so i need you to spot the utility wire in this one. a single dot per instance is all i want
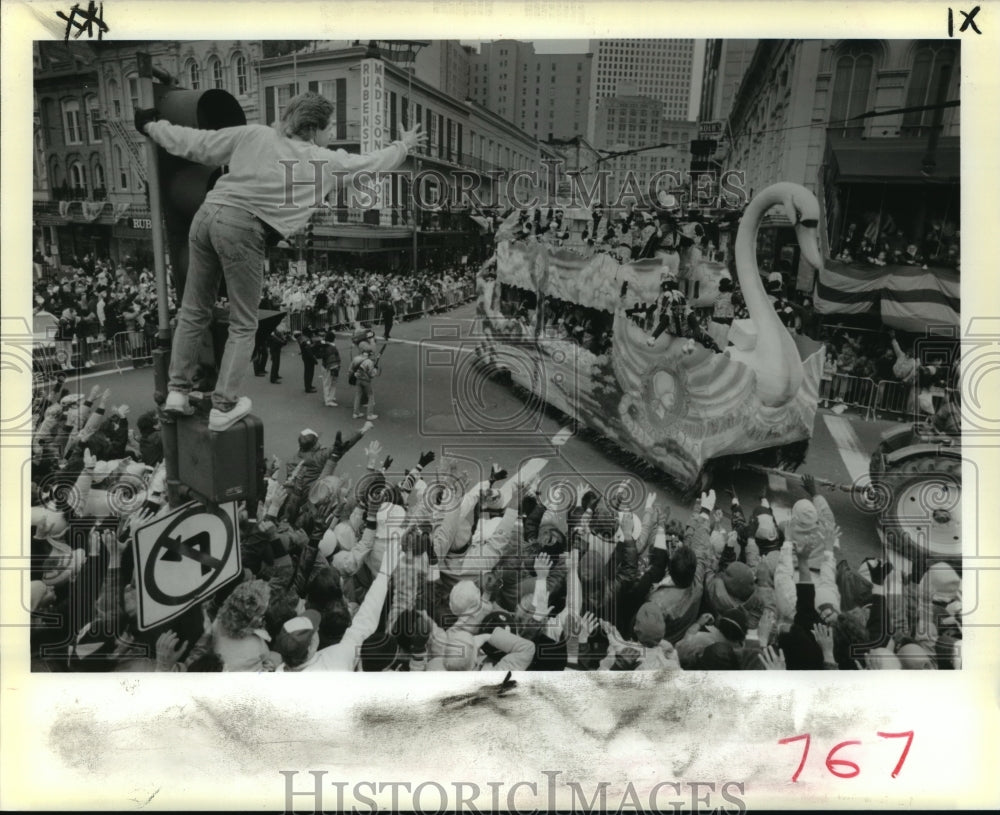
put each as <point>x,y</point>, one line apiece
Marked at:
<point>835,123</point>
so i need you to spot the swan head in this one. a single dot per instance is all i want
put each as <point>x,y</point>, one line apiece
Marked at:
<point>802,209</point>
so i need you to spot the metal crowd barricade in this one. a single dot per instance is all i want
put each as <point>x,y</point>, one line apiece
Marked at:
<point>894,398</point>
<point>853,391</point>
<point>132,348</point>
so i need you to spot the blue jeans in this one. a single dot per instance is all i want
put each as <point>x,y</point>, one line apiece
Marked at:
<point>223,241</point>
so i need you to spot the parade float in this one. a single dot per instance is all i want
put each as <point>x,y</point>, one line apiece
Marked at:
<point>672,402</point>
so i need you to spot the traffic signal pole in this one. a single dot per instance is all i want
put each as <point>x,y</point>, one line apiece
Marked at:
<point>161,354</point>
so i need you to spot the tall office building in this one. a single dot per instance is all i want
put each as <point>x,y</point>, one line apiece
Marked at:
<point>662,69</point>
<point>634,121</point>
<point>726,61</point>
<point>546,95</point>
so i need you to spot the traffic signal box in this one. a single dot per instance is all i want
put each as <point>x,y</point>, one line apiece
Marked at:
<point>215,467</point>
<point>221,467</point>
<point>184,184</point>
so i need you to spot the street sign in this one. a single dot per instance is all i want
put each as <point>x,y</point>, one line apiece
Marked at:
<point>709,130</point>
<point>183,557</point>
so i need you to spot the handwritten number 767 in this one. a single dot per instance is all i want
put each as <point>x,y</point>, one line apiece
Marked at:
<point>840,767</point>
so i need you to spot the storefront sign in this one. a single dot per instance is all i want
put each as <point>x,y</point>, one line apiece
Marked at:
<point>142,223</point>
<point>710,130</point>
<point>372,105</point>
<point>373,127</point>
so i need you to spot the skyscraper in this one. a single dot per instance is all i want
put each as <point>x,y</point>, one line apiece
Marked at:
<point>546,95</point>
<point>725,63</point>
<point>660,69</point>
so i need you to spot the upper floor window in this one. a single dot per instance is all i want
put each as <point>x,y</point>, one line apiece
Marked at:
<point>71,122</point>
<point>94,119</point>
<point>115,96</point>
<point>240,69</point>
<point>194,76</point>
<point>933,67</point>
<point>77,176</point>
<point>215,68</point>
<point>851,86</point>
<point>133,94</point>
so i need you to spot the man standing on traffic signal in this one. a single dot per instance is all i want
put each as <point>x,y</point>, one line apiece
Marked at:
<point>253,204</point>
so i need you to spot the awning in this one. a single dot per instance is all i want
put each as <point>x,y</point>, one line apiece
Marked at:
<point>909,298</point>
<point>897,161</point>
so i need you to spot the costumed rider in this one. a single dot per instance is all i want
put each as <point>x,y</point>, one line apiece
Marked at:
<point>673,304</point>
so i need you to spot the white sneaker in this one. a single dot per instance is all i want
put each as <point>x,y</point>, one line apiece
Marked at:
<point>88,364</point>
<point>177,402</point>
<point>222,419</point>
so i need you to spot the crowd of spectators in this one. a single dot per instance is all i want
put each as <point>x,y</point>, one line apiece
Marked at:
<point>342,299</point>
<point>98,305</point>
<point>426,566</point>
<point>882,242</point>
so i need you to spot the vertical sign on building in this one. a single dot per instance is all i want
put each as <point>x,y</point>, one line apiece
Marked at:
<point>373,119</point>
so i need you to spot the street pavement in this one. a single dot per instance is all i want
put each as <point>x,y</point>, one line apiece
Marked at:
<point>430,397</point>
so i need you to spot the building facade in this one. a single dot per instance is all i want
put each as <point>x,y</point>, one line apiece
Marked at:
<point>545,95</point>
<point>662,69</point>
<point>94,160</point>
<point>70,190</point>
<point>445,64</point>
<point>473,156</point>
<point>808,111</point>
<point>635,121</point>
<point>726,61</point>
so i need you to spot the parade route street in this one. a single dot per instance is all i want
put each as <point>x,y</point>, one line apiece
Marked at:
<point>428,398</point>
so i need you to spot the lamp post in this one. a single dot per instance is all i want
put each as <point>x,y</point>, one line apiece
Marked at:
<point>414,46</point>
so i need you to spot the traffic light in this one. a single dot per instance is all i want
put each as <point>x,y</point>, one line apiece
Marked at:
<point>184,184</point>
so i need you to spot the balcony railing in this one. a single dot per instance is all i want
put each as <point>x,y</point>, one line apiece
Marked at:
<point>79,194</point>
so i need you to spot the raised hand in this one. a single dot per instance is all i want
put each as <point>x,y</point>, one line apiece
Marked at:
<point>387,463</point>
<point>413,138</point>
<point>139,517</point>
<point>168,650</point>
<point>373,452</point>
<point>773,659</point>
<point>543,565</point>
<point>824,636</point>
<point>277,499</point>
<point>768,618</point>
<point>426,458</point>
<point>89,459</point>
<point>809,485</point>
<point>616,642</point>
<point>588,624</point>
